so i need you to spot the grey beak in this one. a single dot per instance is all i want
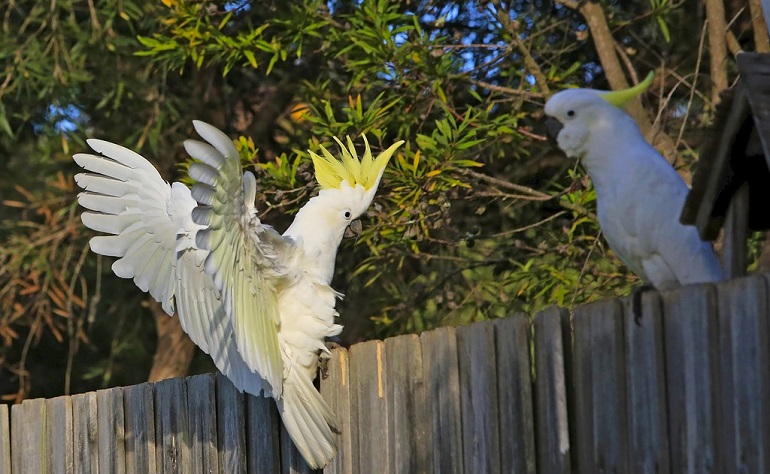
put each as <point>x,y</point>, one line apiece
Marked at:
<point>354,229</point>
<point>552,129</point>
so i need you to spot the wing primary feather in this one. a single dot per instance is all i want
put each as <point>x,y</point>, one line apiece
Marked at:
<point>204,152</point>
<point>104,185</point>
<point>249,189</point>
<point>103,203</point>
<point>203,193</point>
<point>202,215</point>
<point>106,222</point>
<point>123,155</point>
<point>104,165</point>
<point>203,173</point>
<point>217,138</point>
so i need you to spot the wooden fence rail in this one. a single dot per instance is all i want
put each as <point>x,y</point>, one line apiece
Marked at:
<point>686,390</point>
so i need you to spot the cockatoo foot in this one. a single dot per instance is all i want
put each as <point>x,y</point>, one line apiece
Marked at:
<point>323,359</point>
<point>636,301</point>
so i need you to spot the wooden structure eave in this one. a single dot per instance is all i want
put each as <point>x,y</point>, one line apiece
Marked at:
<point>738,153</point>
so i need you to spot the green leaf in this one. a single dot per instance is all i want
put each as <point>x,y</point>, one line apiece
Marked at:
<point>251,58</point>
<point>664,29</point>
<point>5,126</point>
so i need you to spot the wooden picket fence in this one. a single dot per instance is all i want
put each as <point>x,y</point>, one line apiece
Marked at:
<point>686,390</point>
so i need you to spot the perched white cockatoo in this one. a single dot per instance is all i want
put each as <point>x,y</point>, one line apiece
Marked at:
<point>259,303</point>
<point>639,194</point>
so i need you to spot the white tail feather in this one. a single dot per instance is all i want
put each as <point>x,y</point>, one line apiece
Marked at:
<point>308,419</point>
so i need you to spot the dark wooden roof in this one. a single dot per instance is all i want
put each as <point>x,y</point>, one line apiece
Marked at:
<point>738,152</point>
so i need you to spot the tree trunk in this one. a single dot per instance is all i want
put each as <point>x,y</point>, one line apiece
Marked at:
<point>175,349</point>
<point>613,70</point>
<point>717,28</point>
<point>761,39</point>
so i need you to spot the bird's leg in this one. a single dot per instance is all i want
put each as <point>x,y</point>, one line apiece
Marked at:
<point>636,301</point>
<point>323,358</point>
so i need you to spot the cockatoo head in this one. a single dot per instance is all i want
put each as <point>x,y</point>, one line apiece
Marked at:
<point>580,119</point>
<point>348,184</point>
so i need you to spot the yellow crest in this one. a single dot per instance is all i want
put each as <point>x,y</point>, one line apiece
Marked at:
<point>330,171</point>
<point>622,97</point>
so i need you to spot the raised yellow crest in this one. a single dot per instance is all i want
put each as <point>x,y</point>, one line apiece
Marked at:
<point>622,97</point>
<point>330,171</point>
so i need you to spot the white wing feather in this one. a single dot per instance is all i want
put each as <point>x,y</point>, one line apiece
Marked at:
<point>154,238</point>
<point>246,260</point>
<point>130,200</point>
<point>243,253</point>
<point>212,260</point>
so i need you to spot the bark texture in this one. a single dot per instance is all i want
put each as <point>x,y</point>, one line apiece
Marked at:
<point>175,349</point>
<point>761,39</point>
<point>613,71</point>
<point>717,29</point>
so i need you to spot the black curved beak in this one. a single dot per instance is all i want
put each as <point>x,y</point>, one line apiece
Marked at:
<point>552,129</point>
<point>354,229</point>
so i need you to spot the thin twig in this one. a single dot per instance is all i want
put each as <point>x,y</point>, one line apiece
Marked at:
<point>528,191</point>
<point>507,90</point>
<point>583,269</point>
<point>530,226</point>
<point>694,82</point>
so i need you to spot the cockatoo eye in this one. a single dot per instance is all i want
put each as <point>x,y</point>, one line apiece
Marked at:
<point>570,113</point>
<point>346,214</point>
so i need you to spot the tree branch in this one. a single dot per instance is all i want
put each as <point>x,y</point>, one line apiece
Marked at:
<point>761,39</point>
<point>527,192</point>
<point>529,61</point>
<point>604,43</point>
<point>717,26</point>
<point>175,350</point>
<point>506,90</point>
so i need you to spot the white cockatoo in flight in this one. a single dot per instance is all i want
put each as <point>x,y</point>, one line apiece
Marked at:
<point>258,302</point>
<point>639,195</point>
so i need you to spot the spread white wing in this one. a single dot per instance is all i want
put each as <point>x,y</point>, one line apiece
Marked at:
<point>211,260</point>
<point>244,256</point>
<point>246,260</point>
<point>152,232</point>
<point>131,202</point>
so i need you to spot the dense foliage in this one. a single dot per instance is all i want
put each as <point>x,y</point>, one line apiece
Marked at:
<point>477,216</point>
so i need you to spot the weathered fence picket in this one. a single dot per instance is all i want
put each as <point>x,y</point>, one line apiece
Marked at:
<point>600,390</point>
<point>172,428</point>
<point>139,415</point>
<point>552,385</point>
<point>201,402</point>
<point>478,397</point>
<point>406,401</point>
<point>335,389</point>
<point>689,329</point>
<point>646,388</point>
<point>110,430</point>
<point>5,441</point>
<point>84,432</point>
<point>61,454</point>
<point>29,443</point>
<point>514,393</point>
<point>683,388</point>
<point>745,390</point>
<point>440,372</point>
<point>231,424</point>
<point>367,399</point>
<point>262,435</point>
